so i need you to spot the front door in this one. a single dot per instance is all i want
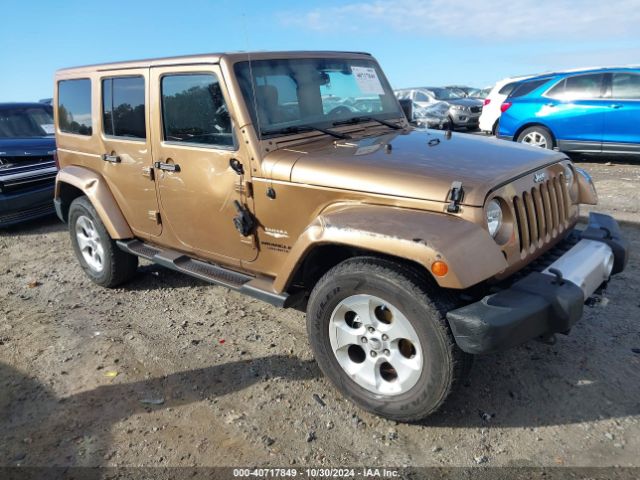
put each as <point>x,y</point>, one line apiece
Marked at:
<point>126,148</point>
<point>194,148</point>
<point>622,125</point>
<point>574,109</point>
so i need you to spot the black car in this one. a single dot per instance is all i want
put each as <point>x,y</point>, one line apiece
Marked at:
<point>27,164</point>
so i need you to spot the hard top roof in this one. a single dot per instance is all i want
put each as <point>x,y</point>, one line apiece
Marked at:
<point>209,58</point>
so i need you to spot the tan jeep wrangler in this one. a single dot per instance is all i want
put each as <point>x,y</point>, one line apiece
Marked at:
<point>295,177</point>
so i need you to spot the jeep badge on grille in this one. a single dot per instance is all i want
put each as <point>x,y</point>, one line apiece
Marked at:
<point>539,177</point>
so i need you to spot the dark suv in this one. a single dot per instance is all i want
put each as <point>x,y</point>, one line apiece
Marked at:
<point>27,165</point>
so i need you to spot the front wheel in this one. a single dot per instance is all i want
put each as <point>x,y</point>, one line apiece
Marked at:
<point>378,332</point>
<point>98,254</point>
<point>536,137</point>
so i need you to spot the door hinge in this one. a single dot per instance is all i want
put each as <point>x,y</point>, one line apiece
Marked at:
<point>148,172</point>
<point>154,215</point>
<point>244,188</point>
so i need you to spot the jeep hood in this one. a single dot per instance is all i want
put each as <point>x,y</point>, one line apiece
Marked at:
<point>419,164</point>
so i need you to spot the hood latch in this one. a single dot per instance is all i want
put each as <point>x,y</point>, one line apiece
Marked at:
<point>455,197</point>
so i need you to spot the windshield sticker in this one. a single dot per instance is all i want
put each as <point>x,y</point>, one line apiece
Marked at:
<point>367,80</point>
<point>48,128</point>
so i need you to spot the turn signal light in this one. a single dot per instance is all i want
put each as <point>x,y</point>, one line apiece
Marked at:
<point>505,106</point>
<point>439,268</point>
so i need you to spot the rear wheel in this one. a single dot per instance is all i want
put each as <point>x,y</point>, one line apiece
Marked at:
<point>379,333</point>
<point>98,254</point>
<point>536,137</point>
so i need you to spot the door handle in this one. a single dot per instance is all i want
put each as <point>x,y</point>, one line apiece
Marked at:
<point>108,157</point>
<point>616,105</point>
<point>550,105</point>
<point>167,167</point>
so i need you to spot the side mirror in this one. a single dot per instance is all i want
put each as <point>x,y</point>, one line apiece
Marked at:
<point>407,107</point>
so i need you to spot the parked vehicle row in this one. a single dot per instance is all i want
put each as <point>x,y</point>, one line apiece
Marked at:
<point>464,112</point>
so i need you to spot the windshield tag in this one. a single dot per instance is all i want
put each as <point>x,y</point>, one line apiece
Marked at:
<point>367,80</point>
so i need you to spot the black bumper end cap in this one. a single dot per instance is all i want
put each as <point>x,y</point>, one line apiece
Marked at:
<point>534,306</point>
<point>604,228</point>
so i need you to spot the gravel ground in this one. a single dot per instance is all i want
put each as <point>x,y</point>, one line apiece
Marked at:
<point>169,371</point>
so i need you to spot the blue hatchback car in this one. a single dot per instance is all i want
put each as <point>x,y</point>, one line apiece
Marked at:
<point>589,111</point>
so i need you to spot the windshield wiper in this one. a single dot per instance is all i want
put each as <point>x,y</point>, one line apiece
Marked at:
<point>305,128</point>
<point>354,120</point>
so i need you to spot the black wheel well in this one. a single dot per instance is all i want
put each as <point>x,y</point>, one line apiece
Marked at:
<point>67,193</point>
<point>534,124</point>
<point>323,258</point>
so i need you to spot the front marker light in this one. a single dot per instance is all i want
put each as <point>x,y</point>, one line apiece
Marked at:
<point>494,217</point>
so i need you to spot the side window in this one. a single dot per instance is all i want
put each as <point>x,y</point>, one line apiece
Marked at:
<point>194,110</point>
<point>557,91</point>
<point>583,87</point>
<point>74,106</point>
<point>507,89</point>
<point>421,97</point>
<point>524,88</point>
<point>626,86</point>
<point>123,107</point>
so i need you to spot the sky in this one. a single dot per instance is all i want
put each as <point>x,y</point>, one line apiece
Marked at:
<point>417,42</point>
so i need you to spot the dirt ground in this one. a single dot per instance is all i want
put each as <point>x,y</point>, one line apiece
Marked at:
<point>169,371</point>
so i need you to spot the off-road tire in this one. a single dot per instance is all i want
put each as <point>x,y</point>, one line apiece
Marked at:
<point>118,266</point>
<point>422,302</point>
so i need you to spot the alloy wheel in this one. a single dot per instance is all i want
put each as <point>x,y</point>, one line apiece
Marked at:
<point>376,345</point>
<point>89,243</point>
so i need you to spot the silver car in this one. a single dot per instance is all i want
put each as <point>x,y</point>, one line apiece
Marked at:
<point>463,112</point>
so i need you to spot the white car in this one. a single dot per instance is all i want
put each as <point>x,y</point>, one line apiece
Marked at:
<point>491,109</point>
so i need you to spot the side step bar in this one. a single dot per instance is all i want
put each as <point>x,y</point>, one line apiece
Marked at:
<point>240,282</point>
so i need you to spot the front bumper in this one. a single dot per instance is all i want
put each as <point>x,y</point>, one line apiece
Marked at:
<point>547,302</point>
<point>465,119</point>
<point>17,207</point>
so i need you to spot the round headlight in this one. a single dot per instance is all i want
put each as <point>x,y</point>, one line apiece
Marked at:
<point>568,176</point>
<point>494,217</point>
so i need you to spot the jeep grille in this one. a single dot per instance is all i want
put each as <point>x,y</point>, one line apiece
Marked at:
<point>542,213</point>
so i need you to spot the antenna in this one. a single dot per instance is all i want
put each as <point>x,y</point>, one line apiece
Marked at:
<point>251,77</point>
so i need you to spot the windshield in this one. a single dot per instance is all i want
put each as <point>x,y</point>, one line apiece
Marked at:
<point>26,122</point>
<point>292,93</point>
<point>444,94</point>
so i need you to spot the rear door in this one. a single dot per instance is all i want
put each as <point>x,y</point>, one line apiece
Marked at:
<point>194,143</point>
<point>622,118</point>
<point>126,148</point>
<point>574,109</point>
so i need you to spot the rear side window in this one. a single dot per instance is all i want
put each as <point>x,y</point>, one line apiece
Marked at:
<point>524,88</point>
<point>194,110</point>
<point>123,107</point>
<point>74,106</point>
<point>626,85</point>
<point>507,89</point>
<point>578,87</point>
<point>557,91</point>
